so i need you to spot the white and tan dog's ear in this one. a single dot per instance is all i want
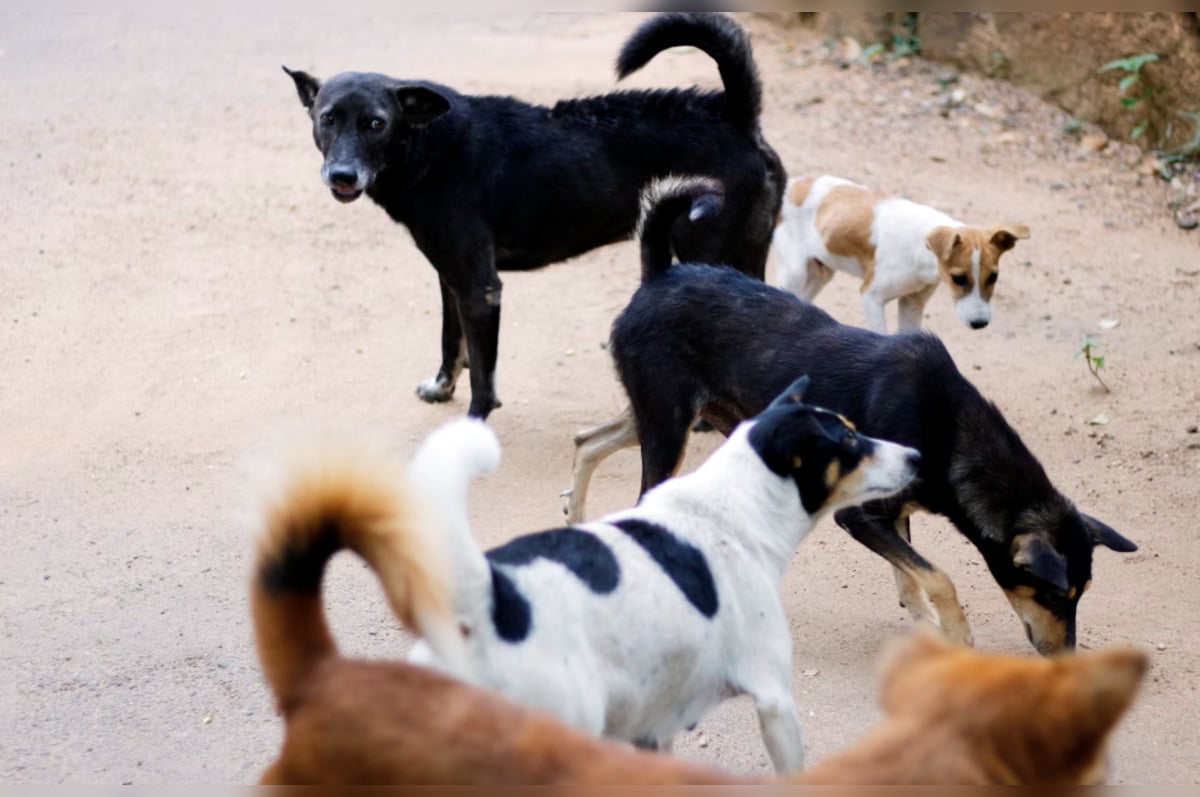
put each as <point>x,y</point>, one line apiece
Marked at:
<point>942,241</point>
<point>1005,236</point>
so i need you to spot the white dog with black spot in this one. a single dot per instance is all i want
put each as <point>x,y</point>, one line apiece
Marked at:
<point>635,625</point>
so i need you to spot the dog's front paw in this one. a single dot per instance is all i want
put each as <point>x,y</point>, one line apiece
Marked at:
<point>957,630</point>
<point>435,390</point>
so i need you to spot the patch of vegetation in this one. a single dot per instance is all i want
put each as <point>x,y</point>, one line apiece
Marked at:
<point>906,41</point>
<point>1142,92</point>
<point>1095,362</point>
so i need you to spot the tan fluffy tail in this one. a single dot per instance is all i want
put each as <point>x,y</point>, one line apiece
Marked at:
<point>333,499</point>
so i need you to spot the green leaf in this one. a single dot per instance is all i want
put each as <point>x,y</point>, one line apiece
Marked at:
<point>1140,130</point>
<point>1130,102</point>
<point>1099,361</point>
<point>1131,64</point>
<point>1127,81</point>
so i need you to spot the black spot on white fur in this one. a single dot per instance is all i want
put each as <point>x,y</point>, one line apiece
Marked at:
<point>581,552</point>
<point>511,614</point>
<point>682,562</point>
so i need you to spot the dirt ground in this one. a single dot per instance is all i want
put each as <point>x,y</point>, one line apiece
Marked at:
<point>178,293</point>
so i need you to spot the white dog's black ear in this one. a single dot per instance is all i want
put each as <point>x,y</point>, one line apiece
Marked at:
<point>1031,552</point>
<point>1105,535</point>
<point>419,105</point>
<point>793,395</point>
<point>307,86</point>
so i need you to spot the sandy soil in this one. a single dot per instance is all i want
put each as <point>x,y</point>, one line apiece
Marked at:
<point>178,292</point>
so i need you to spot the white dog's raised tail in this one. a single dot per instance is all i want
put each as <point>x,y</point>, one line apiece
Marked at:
<point>441,471</point>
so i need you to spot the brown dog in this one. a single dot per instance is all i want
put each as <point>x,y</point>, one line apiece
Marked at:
<point>954,716</point>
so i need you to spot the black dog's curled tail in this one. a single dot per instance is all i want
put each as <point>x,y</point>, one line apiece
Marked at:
<point>664,201</point>
<point>715,34</point>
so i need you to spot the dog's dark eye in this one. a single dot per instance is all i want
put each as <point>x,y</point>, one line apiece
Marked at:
<point>959,279</point>
<point>991,280</point>
<point>850,442</point>
<point>327,119</point>
<point>377,124</point>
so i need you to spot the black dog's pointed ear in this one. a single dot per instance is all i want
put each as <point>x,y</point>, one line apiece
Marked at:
<point>307,86</point>
<point>1105,535</point>
<point>1031,552</point>
<point>419,105</point>
<point>793,395</point>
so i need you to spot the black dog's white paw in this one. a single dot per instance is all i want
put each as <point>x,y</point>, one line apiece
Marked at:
<point>435,390</point>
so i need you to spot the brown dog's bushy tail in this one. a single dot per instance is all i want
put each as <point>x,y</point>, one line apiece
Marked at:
<point>720,38</point>
<point>663,202</point>
<point>331,498</point>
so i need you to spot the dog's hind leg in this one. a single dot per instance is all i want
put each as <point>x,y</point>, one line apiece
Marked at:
<point>593,446</point>
<point>662,451</point>
<point>880,535</point>
<point>454,352</point>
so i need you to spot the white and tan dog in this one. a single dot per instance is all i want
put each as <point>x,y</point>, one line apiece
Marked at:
<point>900,249</point>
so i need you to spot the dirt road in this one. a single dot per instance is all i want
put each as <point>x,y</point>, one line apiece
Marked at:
<point>178,291</point>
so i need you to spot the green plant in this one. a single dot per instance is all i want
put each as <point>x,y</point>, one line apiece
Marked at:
<point>908,42</point>
<point>1132,67</point>
<point>905,42</point>
<point>1095,362</point>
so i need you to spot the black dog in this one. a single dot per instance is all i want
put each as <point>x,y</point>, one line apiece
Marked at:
<point>710,341</point>
<point>492,183</point>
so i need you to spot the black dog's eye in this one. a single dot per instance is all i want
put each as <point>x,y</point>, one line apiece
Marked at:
<point>377,124</point>
<point>327,119</point>
<point>991,280</point>
<point>959,279</point>
<point>851,441</point>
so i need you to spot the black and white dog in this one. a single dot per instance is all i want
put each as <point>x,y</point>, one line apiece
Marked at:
<point>708,341</point>
<point>488,184</point>
<point>635,625</point>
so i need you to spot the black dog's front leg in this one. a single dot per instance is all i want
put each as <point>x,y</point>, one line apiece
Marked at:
<point>880,531</point>
<point>479,312</point>
<point>454,352</point>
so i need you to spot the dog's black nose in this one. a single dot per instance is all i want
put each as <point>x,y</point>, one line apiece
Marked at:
<point>343,177</point>
<point>978,324</point>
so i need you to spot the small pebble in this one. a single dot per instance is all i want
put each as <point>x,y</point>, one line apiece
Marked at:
<point>1193,429</point>
<point>1161,645</point>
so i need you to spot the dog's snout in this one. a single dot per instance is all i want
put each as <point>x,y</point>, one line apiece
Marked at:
<point>342,176</point>
<point>979,323</point>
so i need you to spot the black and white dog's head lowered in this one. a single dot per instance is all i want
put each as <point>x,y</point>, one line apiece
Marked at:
<point>635,625</point>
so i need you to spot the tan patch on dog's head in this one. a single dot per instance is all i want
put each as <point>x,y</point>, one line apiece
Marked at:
<point>844,222</point>
<point>833,474</point>
<point>955,249</point>
<point>846,485</point>
<point>1017,719</point>
<point>1047,632</point>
